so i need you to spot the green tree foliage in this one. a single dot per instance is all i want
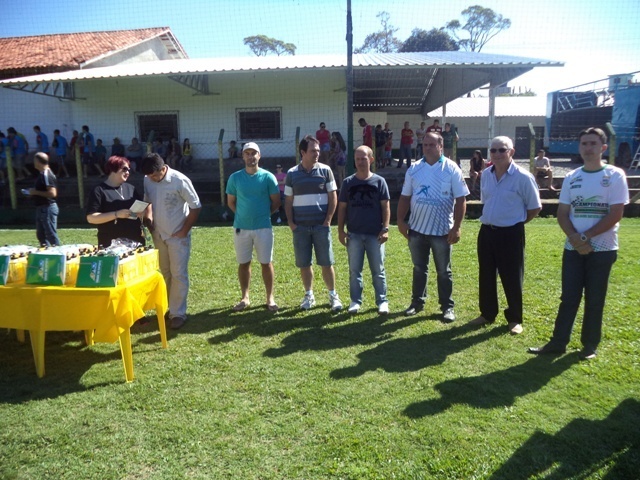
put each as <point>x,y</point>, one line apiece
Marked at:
<point>435,40</point>
<point>482,24</point>
<point>262,45</point>
<point>382,41</point>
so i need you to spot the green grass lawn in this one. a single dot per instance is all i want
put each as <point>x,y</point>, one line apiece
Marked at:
<point>315,395</point>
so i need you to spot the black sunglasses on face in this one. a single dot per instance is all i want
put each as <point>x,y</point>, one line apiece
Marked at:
<point>126,169</point>
<point>501,150</point>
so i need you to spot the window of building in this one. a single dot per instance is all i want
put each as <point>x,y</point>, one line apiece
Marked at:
<point>259,124</point>
<point>163,124</point>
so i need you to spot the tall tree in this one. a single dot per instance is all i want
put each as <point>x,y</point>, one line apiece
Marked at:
<point>262,45</point>
<point>382,41</point>
<point>482,24</point>
<point>435,40</point>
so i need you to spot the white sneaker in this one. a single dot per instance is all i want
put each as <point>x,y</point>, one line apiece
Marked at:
<point>354,308</point>
<point>308,302</point>
<point>383,308</point>
<point>335,303</point>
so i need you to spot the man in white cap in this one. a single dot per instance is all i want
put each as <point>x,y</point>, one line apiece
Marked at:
<point>253,196</point>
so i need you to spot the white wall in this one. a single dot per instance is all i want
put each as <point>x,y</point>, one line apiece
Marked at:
<point>23,110</point>
<point>306,98</point>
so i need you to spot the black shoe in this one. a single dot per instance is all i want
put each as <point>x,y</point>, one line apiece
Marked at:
<point>588,354</point>
<point>547,349</point>
<point>412,310</point>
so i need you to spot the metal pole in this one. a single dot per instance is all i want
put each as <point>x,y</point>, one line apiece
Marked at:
<point>349,80</point>
<point>221,166</point>
<point>532,149</point>
<point>11,177</point>
<point>79,174</point>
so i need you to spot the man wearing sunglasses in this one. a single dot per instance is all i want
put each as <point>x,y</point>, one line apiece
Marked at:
<point>511,199</point>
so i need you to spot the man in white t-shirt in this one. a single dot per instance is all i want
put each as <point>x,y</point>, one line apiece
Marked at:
<point>591,205</point>
<point>175,207</point>
<point>434,190</point>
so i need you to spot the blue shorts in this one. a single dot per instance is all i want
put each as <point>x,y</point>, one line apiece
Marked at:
<point>318,238</point>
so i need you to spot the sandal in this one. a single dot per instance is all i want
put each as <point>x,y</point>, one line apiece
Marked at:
<point>240,306</point>
<point>273,307</point>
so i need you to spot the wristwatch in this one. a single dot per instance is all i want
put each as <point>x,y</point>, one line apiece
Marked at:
<point>583,237</point>
<point>384,229</point>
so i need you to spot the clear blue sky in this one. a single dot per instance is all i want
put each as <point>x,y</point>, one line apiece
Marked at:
<point>593,38</point>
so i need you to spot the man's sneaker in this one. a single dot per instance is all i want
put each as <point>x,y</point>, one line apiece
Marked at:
<point>308,302</point>
<point>588,354</point>
<point>412,310</point>
<point>548,349</point>
<point>334,302</point>
<point>448,315</point>
<point>383,308</point>
<point>354,308</point>
<point>177,322</point>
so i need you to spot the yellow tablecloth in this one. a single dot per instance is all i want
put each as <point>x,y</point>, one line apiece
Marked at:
<point>108,313</point>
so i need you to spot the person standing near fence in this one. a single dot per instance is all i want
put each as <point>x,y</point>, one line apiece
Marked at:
<point>419,136</point>
<point>591,205</point>
<point>44,194</point>
<point>174,209</point>
<point>406,141</point>
<point>60,145</point>
<point>363,208</point>
<point>434,191</point>
<point>449,136</point>
<point>511,199</point>
<point>324,137</point>
<point>253,195</point>
<point>310,202</point>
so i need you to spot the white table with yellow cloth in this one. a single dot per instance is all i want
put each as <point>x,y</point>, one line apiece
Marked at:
<point>105,314</point>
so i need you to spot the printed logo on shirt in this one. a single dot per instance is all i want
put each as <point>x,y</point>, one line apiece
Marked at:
<point>606,181</point>
<point>574,180</point>
<point>424,190</point>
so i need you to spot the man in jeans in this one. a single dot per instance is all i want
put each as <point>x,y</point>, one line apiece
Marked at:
<point>44,195</point>
<point>174,209</point>
<point>363,206</point>
<point>591,205</point>
<point>435,190</point>
<point>310,202</point>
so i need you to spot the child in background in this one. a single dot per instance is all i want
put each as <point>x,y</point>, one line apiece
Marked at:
<point>233,150</point>
<point>339,153</point>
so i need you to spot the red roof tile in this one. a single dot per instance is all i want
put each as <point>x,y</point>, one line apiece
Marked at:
<point>20,56</point>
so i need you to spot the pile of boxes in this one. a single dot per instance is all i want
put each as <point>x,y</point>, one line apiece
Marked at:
<point>80,265</point>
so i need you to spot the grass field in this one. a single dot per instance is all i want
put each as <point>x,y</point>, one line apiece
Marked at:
<point>315,395</point>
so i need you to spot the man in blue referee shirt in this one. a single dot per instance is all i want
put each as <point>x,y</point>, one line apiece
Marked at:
<point>434,189</point>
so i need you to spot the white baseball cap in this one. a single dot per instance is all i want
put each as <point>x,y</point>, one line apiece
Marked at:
<point>252,146</point>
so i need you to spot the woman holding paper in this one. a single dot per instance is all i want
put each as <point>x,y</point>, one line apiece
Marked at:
<point>110,205</point>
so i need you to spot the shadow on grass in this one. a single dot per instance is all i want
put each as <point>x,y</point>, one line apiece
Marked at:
<point>260,322</point>
<point>495,389</point>
<point>412,354</point>
<point>365,332</point>
<point>67,360</point>
<point>582,448</point>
